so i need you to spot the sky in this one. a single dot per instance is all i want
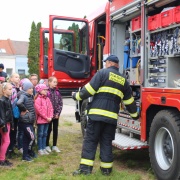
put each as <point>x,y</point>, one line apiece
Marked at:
<point>16,16</point>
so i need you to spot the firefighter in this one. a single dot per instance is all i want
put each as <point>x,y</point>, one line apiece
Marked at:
<point>108,87</point>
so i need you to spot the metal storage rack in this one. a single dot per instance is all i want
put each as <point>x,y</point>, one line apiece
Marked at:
<point>163,69</point>
<point>135,55</point>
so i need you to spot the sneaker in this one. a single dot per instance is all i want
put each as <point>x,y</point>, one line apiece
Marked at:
<point>48,149</point>
<point>45,152</point>
<point>27,159</point>
<point>20,151</point>
<point>6,163</point>
<point>80,171</point>
<point>41,152</point>
<point>56,149</point>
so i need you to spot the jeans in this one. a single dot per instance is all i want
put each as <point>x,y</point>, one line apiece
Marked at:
<point>42,135</point>
<point>20,135</point>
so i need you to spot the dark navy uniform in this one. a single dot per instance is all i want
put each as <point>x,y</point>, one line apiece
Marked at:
<point>108,87</point>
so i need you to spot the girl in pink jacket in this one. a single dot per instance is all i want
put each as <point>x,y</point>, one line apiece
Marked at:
<point>44,111</point>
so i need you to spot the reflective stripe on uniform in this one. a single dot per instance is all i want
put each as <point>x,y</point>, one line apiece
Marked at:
<point>90,89</point>
<point>78,96</point>
<point>87,162</point>
<point>111,90</point>
<point>103,113</point>
<point>134,114</point>
<point>129,101</point>
<point>106,165</point>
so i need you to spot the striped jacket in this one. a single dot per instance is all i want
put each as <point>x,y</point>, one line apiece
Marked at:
<point>14,93</point>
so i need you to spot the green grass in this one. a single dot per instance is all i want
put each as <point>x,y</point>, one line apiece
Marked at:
<point>128,165</point>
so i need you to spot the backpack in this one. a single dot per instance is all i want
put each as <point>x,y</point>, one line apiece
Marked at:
<point>16,111</point>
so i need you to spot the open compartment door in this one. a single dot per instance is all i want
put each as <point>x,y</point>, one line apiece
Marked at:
<point>43,58</point>
<point>68,53</point>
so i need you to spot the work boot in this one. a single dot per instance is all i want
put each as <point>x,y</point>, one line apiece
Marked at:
<point>106,171</point>
<point>81,172</point>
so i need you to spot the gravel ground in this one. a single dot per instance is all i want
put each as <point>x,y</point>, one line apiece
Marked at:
<point>68,112</point>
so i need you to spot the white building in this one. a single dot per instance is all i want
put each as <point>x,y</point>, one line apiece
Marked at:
<point>13,54</point>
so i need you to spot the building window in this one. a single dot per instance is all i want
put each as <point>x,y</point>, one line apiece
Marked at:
<point>2,50</point>
<point>9,71</point>
<point>21,71</point>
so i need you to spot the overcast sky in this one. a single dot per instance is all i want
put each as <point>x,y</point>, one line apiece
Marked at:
<point>16,16</point>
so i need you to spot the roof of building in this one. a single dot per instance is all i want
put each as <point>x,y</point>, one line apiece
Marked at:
<point>9,47</point>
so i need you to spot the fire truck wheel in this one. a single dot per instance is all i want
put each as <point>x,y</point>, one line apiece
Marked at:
<point>164,145</point>
<point>83,116</point>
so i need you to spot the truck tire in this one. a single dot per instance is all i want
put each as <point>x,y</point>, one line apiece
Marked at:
<point>83,117</point>
<point>164,145</point>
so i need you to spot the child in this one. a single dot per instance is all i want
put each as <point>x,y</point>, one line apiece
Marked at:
<point>6,118</point>
<point>44,111</point>
<point>20,129</point>
<point>14,80</point>
<point>27,119</point>
<point>56,99</point>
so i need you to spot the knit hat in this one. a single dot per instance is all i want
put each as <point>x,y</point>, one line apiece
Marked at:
<point>2,66</point>
<point>43,81</point>
<point>23,80</point>
<point>27,85</point>
<point>40,87</point>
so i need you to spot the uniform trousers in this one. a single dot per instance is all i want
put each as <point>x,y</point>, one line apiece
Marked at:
<point>102,133</point>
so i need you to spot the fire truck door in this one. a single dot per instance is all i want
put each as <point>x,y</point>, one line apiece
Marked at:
<point>43,58</point>
<point>68,54</point>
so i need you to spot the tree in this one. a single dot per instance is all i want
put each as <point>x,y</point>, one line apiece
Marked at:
<point>38,37</point>
<point>33,50</point>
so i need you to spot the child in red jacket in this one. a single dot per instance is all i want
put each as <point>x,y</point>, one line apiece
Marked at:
<point>44,111</point>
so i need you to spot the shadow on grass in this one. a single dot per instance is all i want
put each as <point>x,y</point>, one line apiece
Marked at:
<point>133,160</point>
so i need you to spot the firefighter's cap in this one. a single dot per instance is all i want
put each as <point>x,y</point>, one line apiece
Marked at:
<point>112,58</point>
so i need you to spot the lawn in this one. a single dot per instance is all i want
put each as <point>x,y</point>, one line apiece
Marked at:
<point>128,165</point>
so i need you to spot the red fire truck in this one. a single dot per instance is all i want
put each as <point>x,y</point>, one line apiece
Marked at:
<point>145,35</point>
